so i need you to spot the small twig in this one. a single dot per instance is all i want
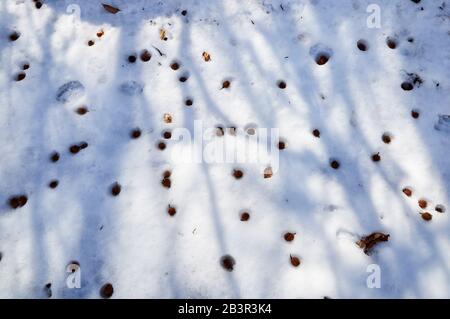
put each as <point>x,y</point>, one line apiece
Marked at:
<point>159,51</point>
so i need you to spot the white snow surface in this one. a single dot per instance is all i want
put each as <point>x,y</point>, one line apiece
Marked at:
<point>131,242</point>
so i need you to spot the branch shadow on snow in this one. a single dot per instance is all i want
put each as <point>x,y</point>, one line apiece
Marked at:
<point>98,217</point>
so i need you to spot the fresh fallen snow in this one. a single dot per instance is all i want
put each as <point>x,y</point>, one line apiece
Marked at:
<point>131,241</point>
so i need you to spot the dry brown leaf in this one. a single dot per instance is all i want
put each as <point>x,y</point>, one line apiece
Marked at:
<point>162,34</point>
<point>368,242</point>
<point>206,56</point>
<point>167,118</point>
<point>110,8</point>
<point>268,172</point>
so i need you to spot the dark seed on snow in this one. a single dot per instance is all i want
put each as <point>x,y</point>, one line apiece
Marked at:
<point>238,174</point>
<point>106,291</point>
<point>281,145</point>
<point>391,43</point>
<point>316,133</point>
<point>54,157</point>
<point>132,58</point>
<point>20,76</point>
<point>426,216</point>
<point>167,135</point>
<point>226,84</point>
<point>115,189</point>
<point>415,114</point>
<point>407,191</point>
<point>227,262</point>
<point>171,210</point>
<point>422,203</point>
<point>295,261</point>
<point>166,182</point>
<point>14,36</point>
<point>322,59</point>
<point>82,110</point>
<point>386,138</point>
<point>136,133</point>
<point>18,201</point>
<point>184,12</point>
<point>162,146</point>
<point>91,43</point>
<point>145,56</point>
<point>74,149</point>
<point>53,184</point>
<point>245,216</point>
<point>289,236</point>
<point>282,84</point>
<point>407,86</point>
<point>183,78</point>
<point>25,66</point>
<point>174,66</point>
<point>335,164</point>
<point>167,174</point>
<point>376,157</point>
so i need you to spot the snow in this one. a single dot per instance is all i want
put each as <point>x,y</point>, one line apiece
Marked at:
<point>130,240</point>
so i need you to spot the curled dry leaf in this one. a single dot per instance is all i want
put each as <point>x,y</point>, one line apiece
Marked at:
<point>206,56</point>
<point>110,8</point>
<point>162,34</point>
<point>268,172</point>
<point>167,118</point>
<point>368,242</point>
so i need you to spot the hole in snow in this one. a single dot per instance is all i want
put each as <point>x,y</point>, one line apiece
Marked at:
<point>440,208</point>
<point>20,76</point>
<point>362,45</point>
<point>281,84</point>
<point>391,42</point>
<point>14,36</point>
<point>322,58</point>
<point>407,86</point>
<point>53,184</point>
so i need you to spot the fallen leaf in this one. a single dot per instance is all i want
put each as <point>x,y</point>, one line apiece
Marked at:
<point>110,8</point>
<point>268,172</point>
<point>206,56</point>
<point>368,242</point>
<point>162,34</point>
